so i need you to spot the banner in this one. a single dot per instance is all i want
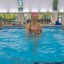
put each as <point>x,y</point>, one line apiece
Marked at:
<point>55,5</point>
<point>20,5</point>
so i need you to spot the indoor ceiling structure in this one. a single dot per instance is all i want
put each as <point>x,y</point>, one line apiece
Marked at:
<point>30,5</point>
<point>8,5</point>
<point>37,5</point>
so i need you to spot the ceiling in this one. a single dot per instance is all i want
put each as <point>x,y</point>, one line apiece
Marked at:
<point>34,5</point>
<point>30,5</point>
<point>8,5</point>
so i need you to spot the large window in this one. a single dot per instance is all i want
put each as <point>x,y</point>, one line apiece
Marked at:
<point>1,17</point>
<point>8,17</point>
<point>43,17</point>
<point>47,16</point>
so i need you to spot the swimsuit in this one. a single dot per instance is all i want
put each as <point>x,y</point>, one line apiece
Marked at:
<point>34,29</point>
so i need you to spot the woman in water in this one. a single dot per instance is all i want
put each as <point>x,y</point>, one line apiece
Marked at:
<point>34,26</point>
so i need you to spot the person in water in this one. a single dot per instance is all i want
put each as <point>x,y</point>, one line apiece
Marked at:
<point>34,26</point>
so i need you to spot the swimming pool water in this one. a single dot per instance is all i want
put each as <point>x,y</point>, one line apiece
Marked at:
<point>18,47</point>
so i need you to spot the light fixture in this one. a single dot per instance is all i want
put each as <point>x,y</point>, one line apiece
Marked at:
<point>13,10</point>
<point>50,10</point>
<point>3,11</point>
<point>34,10</point>
<point>43,10</point>
<point>62,10</point>
<point>26,10</point>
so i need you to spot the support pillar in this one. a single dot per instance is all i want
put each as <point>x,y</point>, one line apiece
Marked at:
<point>54,17</point>
<point>20,18</point>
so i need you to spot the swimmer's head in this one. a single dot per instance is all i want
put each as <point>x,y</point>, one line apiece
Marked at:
<point>34,15</point>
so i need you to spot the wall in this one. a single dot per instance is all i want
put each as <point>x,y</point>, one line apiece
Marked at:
<point>63,19</point>
<point>20,18</point>
<point>54,17</point>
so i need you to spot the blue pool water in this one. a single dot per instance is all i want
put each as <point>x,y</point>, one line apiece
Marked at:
<point>18,47</point>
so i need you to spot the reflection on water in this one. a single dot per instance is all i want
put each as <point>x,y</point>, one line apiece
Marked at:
<point>35,40</point>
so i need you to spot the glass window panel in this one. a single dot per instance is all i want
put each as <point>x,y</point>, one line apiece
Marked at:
<point>12,16</point>
<point>1,16</point>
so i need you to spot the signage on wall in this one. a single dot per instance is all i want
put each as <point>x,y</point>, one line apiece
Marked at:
<point>55,5</point>
<point>20,5</point>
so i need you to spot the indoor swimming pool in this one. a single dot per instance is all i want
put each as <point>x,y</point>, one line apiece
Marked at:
<point>18,47</point>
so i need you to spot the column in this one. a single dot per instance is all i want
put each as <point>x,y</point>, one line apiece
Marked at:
<point>54,17</point>
<point>20,18</point>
